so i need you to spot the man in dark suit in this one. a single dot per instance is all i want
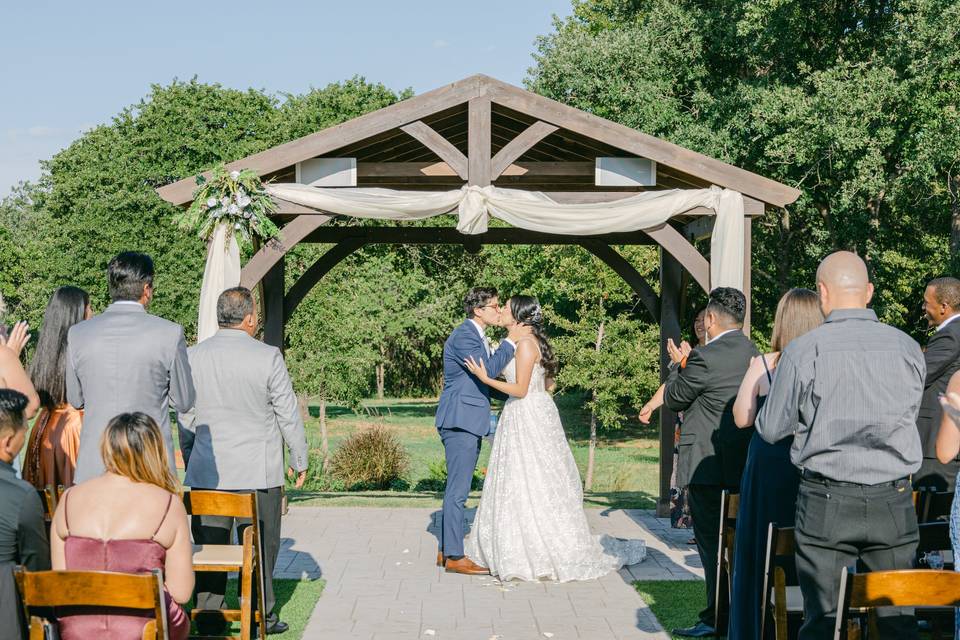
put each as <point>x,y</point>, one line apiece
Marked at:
<point>941,306</point>
<point>713,451</point>
<point>463,414</point>
<point>23,536</point>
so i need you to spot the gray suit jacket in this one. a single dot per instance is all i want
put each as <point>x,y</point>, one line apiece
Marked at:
<point>121,361</point>
<point>245,411</point>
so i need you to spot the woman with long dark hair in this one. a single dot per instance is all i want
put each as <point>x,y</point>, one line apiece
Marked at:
<point>530,524</point>
<point>51,453</point>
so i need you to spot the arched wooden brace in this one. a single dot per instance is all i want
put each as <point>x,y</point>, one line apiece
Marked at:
<point>306,282</point>
<point>631,276</point>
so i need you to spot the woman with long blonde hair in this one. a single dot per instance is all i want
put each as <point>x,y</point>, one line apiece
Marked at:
<point>770,482</point>
<point>129,519</point>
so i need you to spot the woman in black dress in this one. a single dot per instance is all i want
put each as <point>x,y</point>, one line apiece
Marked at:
<point>768,490</point>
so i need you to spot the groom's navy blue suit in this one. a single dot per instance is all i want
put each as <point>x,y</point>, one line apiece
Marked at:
<point>463,418</point>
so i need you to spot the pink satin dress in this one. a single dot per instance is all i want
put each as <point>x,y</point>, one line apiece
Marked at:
<point>124,556</point>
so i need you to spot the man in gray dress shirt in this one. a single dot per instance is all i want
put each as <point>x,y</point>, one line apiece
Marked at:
<point>233,439</point>
<point>850,392</point>
<point>126,360</point>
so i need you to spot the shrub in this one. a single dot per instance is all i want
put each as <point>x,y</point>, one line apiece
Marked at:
<point>370,459</point>
<point>437,479</point>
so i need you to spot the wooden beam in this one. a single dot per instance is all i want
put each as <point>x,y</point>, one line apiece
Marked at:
<point>274,321</point>
<point>306,282</point>
<point>273,251</point>
<point>339,136</point>
<point>439,145</point>
<point>442,169</point>
<point>685,253</point>
<point>671,280</point>
<point>518,146</point>
<point>747,270</point>
<point>478,141</point>
<point>699,229</point>
<point>449,235</point>
<point>638,143</point>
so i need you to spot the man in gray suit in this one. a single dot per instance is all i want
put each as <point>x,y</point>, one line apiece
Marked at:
<point>233,439</point>
<point>126,360</point>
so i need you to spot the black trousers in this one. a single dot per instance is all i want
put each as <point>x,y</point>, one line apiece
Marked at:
<point>840,525</point>
<point>211,586</point>
<point>705,511</point>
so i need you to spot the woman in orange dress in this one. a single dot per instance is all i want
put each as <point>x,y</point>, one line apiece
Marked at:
<point>51,453</point>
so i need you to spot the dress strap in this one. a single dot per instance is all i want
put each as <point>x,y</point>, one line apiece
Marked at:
<point>164,518</point>
<point>766,368</point>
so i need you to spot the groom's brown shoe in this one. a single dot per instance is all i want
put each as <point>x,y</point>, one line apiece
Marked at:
<point>440,559</point>
<point>466,566</point>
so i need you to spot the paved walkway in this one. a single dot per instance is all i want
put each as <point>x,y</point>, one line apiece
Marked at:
<point>382,581</point>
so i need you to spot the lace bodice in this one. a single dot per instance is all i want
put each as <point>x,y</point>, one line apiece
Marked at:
<point>538,383</point>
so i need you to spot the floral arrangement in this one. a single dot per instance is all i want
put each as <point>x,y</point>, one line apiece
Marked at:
<point>234,198</point>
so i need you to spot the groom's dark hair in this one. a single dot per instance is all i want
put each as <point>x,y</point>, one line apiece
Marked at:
<point>477,297</point>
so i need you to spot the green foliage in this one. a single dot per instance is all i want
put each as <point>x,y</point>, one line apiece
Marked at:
<point>370,459</point>
<point>436,479</point>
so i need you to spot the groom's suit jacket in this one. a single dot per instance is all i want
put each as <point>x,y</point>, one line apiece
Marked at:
<point>465,401</point>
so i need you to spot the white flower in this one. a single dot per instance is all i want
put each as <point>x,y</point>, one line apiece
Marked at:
<point>247,215</point>
<point>225,201</point>
<point>216,213</point>
<point>211,202</point>
<point>233,209</point>
<point>244,201</point>
<point>234,175</point>
<point>236,225</point>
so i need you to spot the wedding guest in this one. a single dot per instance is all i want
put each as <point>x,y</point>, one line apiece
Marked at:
<point>23,536</point>
<point>126,360</point>
<point>12,373</point>
<point>712,450</point>
<point>233,439</point>
<point>948,447</point>
<point>850,391</point>
<point>941,306</point>
<point>768,490</point>
<point>51,452</point>
<point>141,527</point>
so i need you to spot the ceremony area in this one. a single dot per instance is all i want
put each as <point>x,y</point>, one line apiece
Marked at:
<point>571,320</point>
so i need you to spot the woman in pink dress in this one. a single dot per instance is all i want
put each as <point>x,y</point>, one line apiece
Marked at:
<point>130,520</point>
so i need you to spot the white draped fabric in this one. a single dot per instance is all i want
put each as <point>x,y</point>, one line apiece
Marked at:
<point>524,209</point>
<point>221,272</point>
<point>537,212</point>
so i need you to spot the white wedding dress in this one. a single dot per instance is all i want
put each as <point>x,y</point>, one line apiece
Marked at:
<point>530,524</point>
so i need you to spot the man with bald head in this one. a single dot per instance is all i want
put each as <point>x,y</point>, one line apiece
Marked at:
<point>850,393</point>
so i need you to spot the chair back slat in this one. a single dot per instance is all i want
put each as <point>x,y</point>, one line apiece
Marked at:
<point>86,588</point>
<point>220,503</point>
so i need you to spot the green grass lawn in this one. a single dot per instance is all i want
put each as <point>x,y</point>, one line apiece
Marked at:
<point>675,603</point>
<point>626,462</point>
<point>295,602</point>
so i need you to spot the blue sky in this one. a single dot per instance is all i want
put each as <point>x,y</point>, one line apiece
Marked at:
<point>67,66</point>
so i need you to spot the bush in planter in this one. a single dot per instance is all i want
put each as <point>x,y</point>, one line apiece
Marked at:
<point>437,479</point>
<point>370,459</point>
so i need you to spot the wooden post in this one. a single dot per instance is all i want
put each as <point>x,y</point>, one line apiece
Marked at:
<point>670,272</point>
<point>747,268</point>
<point>273,290</point>
<point>478,142</point>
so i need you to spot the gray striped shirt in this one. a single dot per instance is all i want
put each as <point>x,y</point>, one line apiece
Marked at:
<point>850,391</point>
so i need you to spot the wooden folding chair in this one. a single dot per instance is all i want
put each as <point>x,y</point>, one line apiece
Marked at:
<point>49,498</point>
<point>779,601</point>
<point>245,558</point>
<point>860,593</point>
<point>729,505</point>
<point>49,589</point>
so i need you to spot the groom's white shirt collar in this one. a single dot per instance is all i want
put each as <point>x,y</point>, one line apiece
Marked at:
<point>720,335</point>
<point>479,329</point>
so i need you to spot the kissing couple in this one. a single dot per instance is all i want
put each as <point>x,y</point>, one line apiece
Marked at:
<point>530,524</point>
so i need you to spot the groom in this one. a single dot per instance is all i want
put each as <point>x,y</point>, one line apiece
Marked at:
<point>463,414</point>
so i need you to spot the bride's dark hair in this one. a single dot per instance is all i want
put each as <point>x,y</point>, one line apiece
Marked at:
<point>526,309</point>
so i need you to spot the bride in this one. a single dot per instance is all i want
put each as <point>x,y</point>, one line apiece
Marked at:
<point>530,524</point>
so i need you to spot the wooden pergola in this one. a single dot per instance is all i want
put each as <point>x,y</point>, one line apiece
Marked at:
<point>480,131</point>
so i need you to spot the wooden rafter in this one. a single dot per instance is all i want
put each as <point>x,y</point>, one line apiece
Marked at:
<point>439,145</point>
<point>518,146</point>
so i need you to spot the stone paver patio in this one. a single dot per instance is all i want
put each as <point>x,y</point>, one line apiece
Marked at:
<point>382,581</point>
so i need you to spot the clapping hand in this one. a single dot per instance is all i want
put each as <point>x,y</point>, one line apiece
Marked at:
<point>677,354</point>
<point>645,414</point>
<point>18,338</point>
<point>951,406</point>
<point>477,368</point>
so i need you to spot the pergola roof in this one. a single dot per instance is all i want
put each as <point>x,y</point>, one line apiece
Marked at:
<point>535,143</point>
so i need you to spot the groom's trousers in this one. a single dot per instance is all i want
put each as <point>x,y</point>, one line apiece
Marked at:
<point>705,511</point>
<point>462,449</point>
